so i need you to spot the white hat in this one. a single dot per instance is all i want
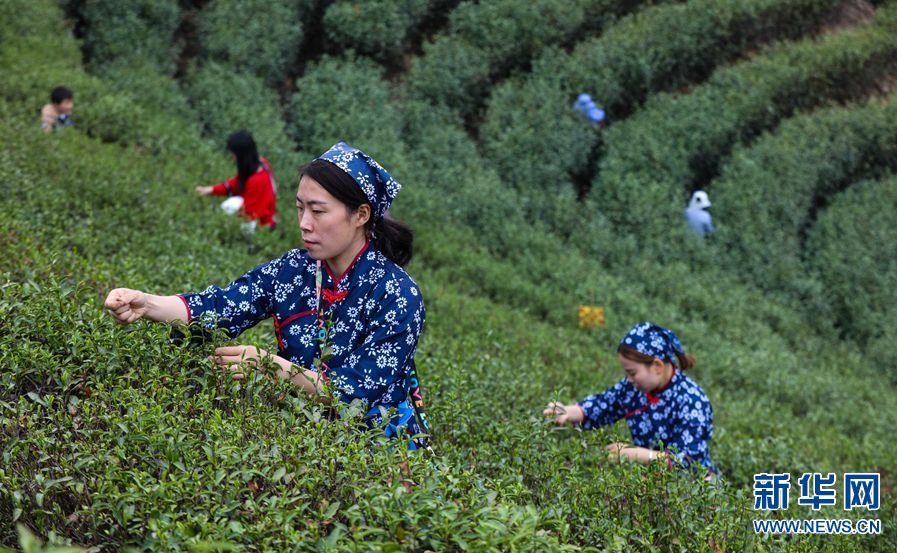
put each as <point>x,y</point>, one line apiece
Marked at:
<point>232,204</point>
<point>699,200</point>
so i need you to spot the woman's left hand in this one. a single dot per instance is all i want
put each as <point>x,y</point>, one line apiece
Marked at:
<point>236,359</point>
<point>232,358</point>
<point>621,450</point>
<point>618,450</point>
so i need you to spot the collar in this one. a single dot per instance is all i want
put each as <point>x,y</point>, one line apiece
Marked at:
<point>654,397</point>
<point>336,281</point>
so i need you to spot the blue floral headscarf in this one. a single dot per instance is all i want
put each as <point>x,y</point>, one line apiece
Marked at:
<point>377,184</point>
<point>653,340</point>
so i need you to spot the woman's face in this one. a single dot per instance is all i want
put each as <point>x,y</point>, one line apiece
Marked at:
<point>647,377</point>
<point>329,230</point>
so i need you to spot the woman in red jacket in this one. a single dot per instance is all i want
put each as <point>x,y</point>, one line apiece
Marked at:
<point>254,181</point>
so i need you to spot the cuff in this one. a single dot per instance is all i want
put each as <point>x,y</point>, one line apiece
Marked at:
<point>187,307</point>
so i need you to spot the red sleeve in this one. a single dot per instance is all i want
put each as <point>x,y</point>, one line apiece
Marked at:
<point>259,202</point>
<point>226,188</point>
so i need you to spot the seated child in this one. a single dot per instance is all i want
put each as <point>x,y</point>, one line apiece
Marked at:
<point>58,113</point>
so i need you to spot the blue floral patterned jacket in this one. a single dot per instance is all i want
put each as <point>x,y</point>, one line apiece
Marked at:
<point>678,418</point>
<point>376,310</point>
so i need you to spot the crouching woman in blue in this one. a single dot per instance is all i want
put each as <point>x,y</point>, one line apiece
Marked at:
<point>348,285</point>
<point>668,414</point>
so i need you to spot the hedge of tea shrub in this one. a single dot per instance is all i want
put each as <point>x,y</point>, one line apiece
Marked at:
<point>676,143</point>
<point>538,265</point>
<point>110,406</point>
<point>132,31</point>
<point>854,264</point>
<point>343,99</point>
<point>659,48</point>
<point>256,37</point>
<point>153,90</point>
<point>485,41</point>
<point>131,436</point>
<point>131,104</point>
<point>771,192</point>
<point>226,99</point>
<point>380,29</point>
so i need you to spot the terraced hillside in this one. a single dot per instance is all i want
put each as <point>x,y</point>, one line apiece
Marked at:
<point>116,438</point>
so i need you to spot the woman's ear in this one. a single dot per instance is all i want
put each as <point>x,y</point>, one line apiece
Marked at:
<point>364,214</point>
<point>657,365</point>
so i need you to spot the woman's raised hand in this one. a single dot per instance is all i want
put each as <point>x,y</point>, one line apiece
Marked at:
<point>126,305</point>
<point>203,190</point>
<point>563,414</point>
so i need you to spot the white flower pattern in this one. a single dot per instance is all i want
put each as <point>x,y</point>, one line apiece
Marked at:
<point>681,422</point>
<point>376,327</point>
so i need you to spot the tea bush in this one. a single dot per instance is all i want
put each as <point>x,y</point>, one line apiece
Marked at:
<point>676,143</point>
<point>126,441</point>
<point>658,48</point>
<point>115,438</point>
<point>256,37</point>
<point>853,264</point>
<point>811,158</point>
<point>131,31</point>
<point>343,100</point>
<point>156,92</point>
<point>486,41</point>
<point>436,522</point>
<point>381,29</point>
<point>226,100</point>
<point>33,31</point>
<point>160,465</point>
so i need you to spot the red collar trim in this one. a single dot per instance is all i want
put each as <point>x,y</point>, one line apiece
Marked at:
<point>332,297</point>
<point>335,280</point>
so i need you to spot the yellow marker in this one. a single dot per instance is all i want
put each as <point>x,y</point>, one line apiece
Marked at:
<point>591,316</point>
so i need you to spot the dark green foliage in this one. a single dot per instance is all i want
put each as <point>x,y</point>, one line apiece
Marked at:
<point>152,423</point>
<point>226,100</point>
<point>142,108</point>
<point>677,141</point>
<point>486,40</point>
<point>856,266</point>
<point>658,48</point>
<point>132,31</point>
<point>380,29</point>
<point>256,37</point>
<point>154,91</point>
<point>343,100</point>
<point>116,439</point>
<point>810,159</point>
<point>147,112</point>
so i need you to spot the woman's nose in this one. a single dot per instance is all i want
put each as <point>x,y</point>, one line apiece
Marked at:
<point>305,220</point>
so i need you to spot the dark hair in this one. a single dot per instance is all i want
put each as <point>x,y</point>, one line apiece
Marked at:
<point>685,361</point>
<point>243,147</point>
<point>394,238</point>
<point>61,93</point>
